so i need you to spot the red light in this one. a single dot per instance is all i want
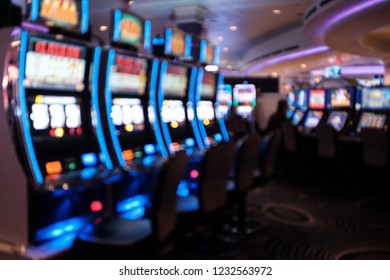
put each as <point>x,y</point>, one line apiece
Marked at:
<point>96,206</point>
<point>52,133</point>
<point>79,131</point>
<point>194,174</point>
<point>72,131</point>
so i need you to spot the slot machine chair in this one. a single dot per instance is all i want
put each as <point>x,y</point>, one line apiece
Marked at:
<point>117,238</point>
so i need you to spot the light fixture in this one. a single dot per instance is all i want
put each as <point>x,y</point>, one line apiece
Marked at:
<point>211,68</point>
<point>59,37</point>
<point>277,11</point>
<point>229,67</point>
<point>274,74</point>
<point>303,66</point>
<point>103,28</point>
<point>233,28</point>
<point>220,38</point>
<point>131,3</point>
<point>225,49</point>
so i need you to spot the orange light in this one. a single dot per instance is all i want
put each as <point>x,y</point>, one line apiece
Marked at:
<point>175,146</point>
<point>128,155</point>
<point>53,167</point>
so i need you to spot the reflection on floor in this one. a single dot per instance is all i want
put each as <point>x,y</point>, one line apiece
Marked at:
<point>314,222</point>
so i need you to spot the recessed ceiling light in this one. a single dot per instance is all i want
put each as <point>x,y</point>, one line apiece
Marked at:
<point>59,37</point>
<point>131,3</point>
<point>277,11</point>
<point>211,68</point>
<point>303,65</point>
<point>225,49</point>
<point>103,28</point>
<point>229,67</point>
<point>220,38</point>
<point>274,74</point>
<point>233,28</point>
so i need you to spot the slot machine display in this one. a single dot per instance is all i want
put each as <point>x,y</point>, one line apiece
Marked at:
<point>52,108</point>
<point>175,95</point>
<point>341,108</point>
<point>211,127</point>
<point>224,100</point>
<point>127,87</point>
<point>291,104</point>
<point>374,111</point>
<point>315,113</point>
<point>244,99</point>
<point>300,105</point>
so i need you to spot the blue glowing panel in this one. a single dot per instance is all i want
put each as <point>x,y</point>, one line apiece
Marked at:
<point>89,159</point>
<point>150,149</point>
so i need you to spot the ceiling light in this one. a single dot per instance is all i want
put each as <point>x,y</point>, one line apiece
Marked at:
<point>233,28</point>
<point>303,65</point>
<point>277,11</point>
<point>225,49</point>
<point>331,59</point>
<point>131,3</point>
<point>274,74</point>
<point>103,28</point>
<point>220,38</point>
<point>59,37</point>
<point>211,68</point>
<point>229,67</point>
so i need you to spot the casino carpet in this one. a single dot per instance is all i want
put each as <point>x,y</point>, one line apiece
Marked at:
<point>314,222</point>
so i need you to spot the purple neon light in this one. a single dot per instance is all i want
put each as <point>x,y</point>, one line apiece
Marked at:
<point>31,26</point>
<point>342,14</point>
<point>287,57</point>
<point>363,70</point>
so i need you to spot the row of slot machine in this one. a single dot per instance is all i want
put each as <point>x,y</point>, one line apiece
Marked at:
<point>348,110</point>
<point>78,117</point>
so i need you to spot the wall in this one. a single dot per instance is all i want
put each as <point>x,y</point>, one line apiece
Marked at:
<point>266,105</point>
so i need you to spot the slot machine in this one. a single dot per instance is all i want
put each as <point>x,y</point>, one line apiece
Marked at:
<point>300,106</point>
<point>315,113</point>
<point>59,162</point>
<point>244,99</point>
<point>212,127</point>
<point>175,95</point>
<point>127,90</point>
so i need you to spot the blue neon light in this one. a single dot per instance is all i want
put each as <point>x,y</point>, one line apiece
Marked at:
<point>198,126</point>
<point>147,34</point>
<point>190,142</point>
<point>160,96</point>
<point>89,159</point>
<point>153,102</point>
<point>88,173</point>
<point>133,214</point>
<point>182,189</point>
<point>36,172</point>
<point>217,54</point>
<point>108,99</point>
<point>168,41</point>
<point>221,121</point>
<point>84,16</point>
<point>187,53</point>
<point>96,110</point>
<point>34,10</point>
<point>60,228</point>
<point>218,137</point>
<point>117,22</point>
<point>150,149</point>
<point>132,203</point>
<point>203,49</point>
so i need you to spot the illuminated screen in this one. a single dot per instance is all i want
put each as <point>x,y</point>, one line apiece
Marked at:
<point>61,13</point>
<point>209,54</point>
<point>208,86</point>
<point>127,115</point>
<point>131,29</point>
<point>175,81</point>
<point>205,112</point>
<point>340,97</point>
<point>312,119</point>
<point>300,98</point>
<point>244,94</point>
<point>317,99</point>
<point>297,117</point>
<point>291,99</point>
<point>173,113</point>
<point>54,65</point>
<point>224,95</point>
<point>128,75</point>
<point>221,111</point>
<point>371,120</point>
<point>56,116</point>
<point>178,44</point>
<point>376,98</point>
<point>337,119</point>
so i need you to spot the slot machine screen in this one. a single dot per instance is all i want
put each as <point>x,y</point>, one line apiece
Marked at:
<point>128,28</point>
<point>244,94</point>
<point>173,113</point>
<point>317,99</point>
<point>175,81</point>
<point>128,75</point>
<point>337,119</point>
<point>208,86</point>
<point>55,116</point>
<point>300,98</point>
<point>66,14</point>
<point>371,120</point>
<point>205,112</point>
<point>224,95</point>
<point>297,117</point>
<point>127,115</point>
<point>340,97</point>
<point>376,98</point>
<point>55,65</point>
<point>291,99</point>
<point>312,119</point>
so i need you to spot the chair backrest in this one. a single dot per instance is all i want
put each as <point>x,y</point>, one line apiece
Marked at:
<point>213,176</point>
<point>247,160</point>
<point>164,195</point>
<point>289,136</point>
<point>327,141</point>
<point>272,151</point>
<point>375,146</point>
